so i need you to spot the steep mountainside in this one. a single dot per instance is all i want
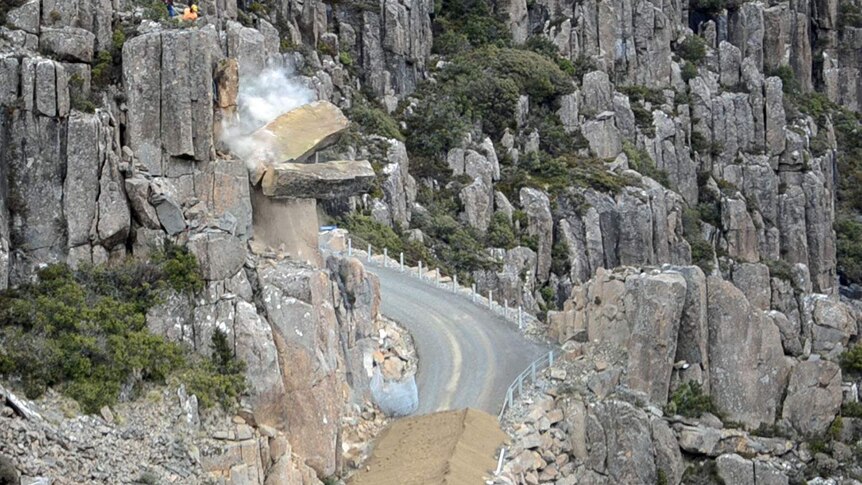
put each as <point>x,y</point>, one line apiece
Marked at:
<point>674,187</point>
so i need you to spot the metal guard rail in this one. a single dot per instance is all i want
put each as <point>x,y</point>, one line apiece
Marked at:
<point>531,371</point>
<point>518,317</point>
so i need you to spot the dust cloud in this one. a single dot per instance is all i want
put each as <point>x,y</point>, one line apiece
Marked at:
<point>261,99</point>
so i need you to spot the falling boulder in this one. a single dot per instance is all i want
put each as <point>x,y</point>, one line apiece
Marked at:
<point>299,133</point>
<point>327,180</point>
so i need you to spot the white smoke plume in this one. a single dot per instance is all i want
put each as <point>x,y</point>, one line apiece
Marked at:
<point>261,99</point>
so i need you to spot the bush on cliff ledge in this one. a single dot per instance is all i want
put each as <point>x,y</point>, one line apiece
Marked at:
<point>84,331</point>
<point>480,88</point>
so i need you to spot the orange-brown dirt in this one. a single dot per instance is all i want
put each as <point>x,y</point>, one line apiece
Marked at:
<point>450,447</point>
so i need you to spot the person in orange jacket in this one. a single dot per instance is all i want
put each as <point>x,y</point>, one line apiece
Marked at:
<point>190,13</point>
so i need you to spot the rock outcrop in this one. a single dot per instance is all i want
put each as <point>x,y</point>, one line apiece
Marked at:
<point>326,180</point>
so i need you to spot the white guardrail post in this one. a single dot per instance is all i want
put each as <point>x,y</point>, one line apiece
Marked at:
<point>402,261</point>
<point>369,253</point>
<point>518,384</point>
<point>419,273</point>
<point>385,256</point>
<point>520,317</point>
<point>455,283</point>
<point>437,277</point>
<point>490,300</point>
<point>473,292</point>
<point>349,247</point>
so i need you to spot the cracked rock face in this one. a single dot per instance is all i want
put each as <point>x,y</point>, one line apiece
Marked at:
<point>326,180</point>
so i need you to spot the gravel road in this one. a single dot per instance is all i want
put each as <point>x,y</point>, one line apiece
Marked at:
<point>468,355</point>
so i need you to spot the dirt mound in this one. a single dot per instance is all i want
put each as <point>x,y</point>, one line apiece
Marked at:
<point>450,447</point>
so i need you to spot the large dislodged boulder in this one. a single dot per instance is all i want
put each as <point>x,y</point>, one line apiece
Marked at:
<point>813,396</point>
<point>328,180</point>
<point>299,133</point>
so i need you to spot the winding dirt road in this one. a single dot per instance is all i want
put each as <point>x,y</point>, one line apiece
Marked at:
<point>468,355</point>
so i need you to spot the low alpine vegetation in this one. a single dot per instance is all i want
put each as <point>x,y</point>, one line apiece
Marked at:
<point>84,332</point>
<point>690,401</point>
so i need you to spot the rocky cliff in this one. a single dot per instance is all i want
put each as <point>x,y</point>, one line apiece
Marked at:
<point>113,132</point>
<point>529,147</point>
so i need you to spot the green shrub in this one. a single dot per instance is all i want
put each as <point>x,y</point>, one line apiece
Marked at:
<point>644,93</point>
<point>345,58</point>
<point>849,14</point>
<point>102,72</point>
<point>84,331</point>
<point>286,45</point>
<point>661,477</point>
<point>118,40</point>
<point>181,269</point>
<point>460,25</point>
<point>529,241</point>
<point>689,400</point>
<point>699,143</point>
<point>779,269</point>
<point>82,104</point>
<point>554,139</point>
<point>369,231</point>
<point>643,119</point>
<point>689,71</point>
<point>836,427</point>
<point>583,65</point>
<point>851,410</point>
<point>692,49</point>
<point>156,10</point>
<point>558,174</point>
<point>373,120</point>
<point>326,49</point>
<point>702,253</point>
<point>543,46</point>
<point>87,341</point>
<point>258,8</point>
<point>219,379</point>
<point>560,264</point>
<point>640,161</point>
<point>549,295</point>
<point>848,232</point>
<point>480,87</point>
<point>709,213</point>
<point>788,78</point>
<point>851,360</point>
<point>500,233</point>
